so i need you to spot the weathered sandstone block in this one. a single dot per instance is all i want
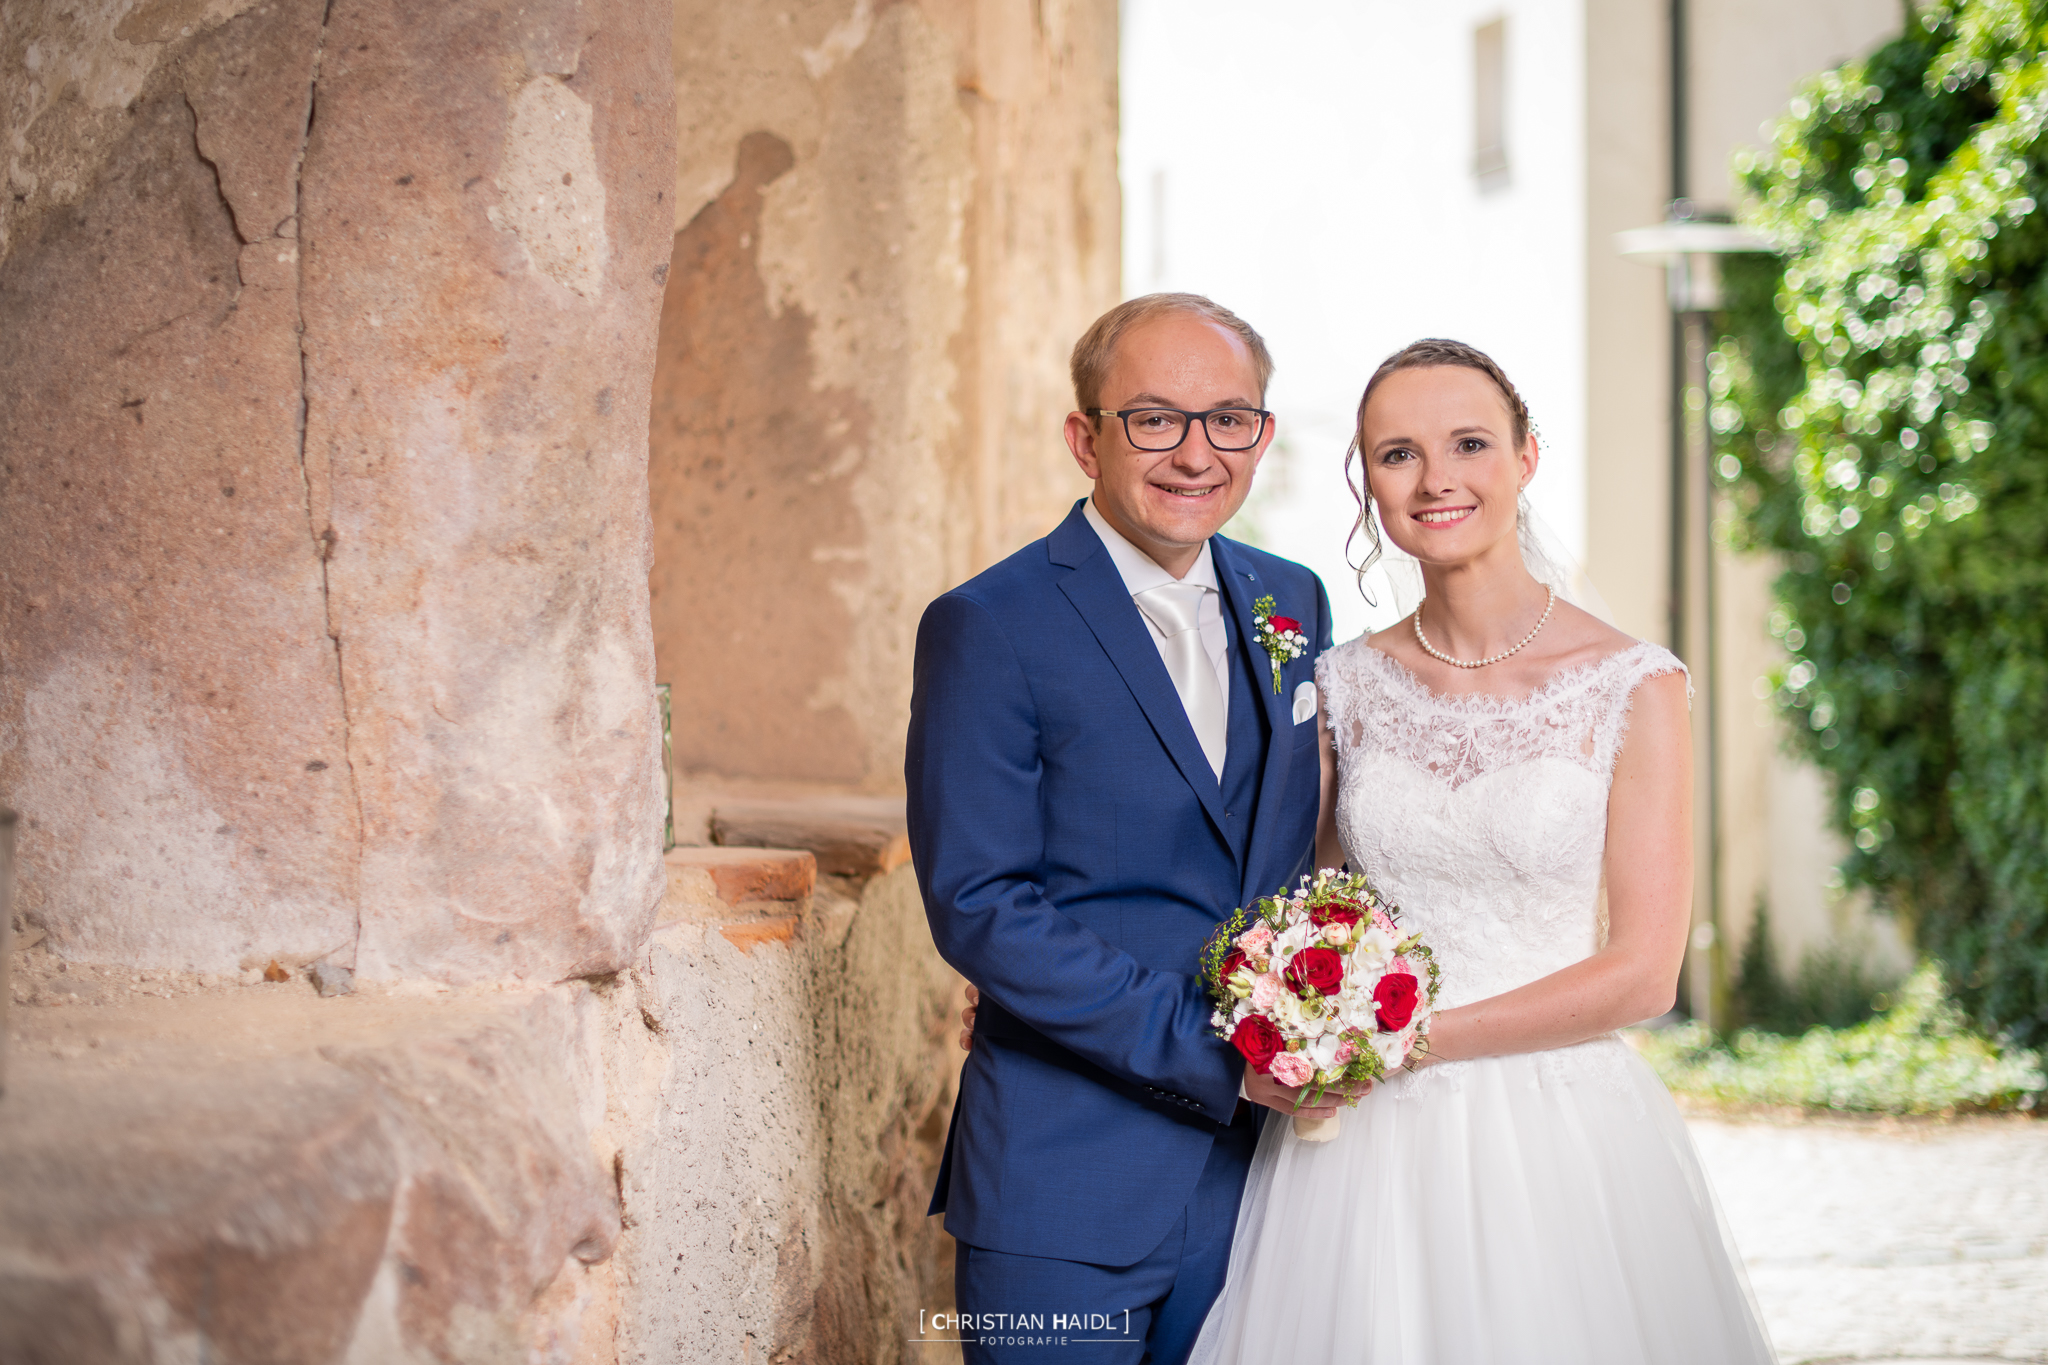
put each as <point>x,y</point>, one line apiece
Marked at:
<point>257,1176</point>
<point>171,728</point>
<point>326,335</point>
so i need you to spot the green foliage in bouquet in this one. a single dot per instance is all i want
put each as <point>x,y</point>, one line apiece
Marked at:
<point>1880,400</point>
<point>1919,1057</point>
<point>1218,949</point>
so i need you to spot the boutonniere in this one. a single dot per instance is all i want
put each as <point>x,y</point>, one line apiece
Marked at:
<point>1279,636</point>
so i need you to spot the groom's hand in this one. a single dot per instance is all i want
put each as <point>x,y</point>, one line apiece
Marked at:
<point>967,1019</point>
<point>1261,1089</point>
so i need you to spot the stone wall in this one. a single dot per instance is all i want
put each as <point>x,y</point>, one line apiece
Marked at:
<point>721,1152</point>
<point>358,1016</point>
<point>326,332</point>
<point>893,222</point>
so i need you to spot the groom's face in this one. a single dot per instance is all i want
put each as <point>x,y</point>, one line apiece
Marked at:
<point>1168,503</point>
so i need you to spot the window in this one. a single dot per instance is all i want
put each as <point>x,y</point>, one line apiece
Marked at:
<point>1490,104</point>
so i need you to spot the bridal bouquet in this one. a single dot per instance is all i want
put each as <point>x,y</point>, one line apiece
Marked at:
<point>1320,987</point>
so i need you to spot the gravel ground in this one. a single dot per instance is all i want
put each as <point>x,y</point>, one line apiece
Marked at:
<point>1871,1239</point>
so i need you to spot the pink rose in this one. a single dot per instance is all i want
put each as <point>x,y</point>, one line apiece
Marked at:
<point>1291,1068</point>
<point>1268,991</point>
<point>1257,942</point>
<point>1386,923</point>
<point>1345,1052</point>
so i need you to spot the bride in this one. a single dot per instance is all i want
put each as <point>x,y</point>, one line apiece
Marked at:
<point>1515,775</point>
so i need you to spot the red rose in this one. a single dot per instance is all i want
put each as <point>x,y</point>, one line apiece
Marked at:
<point>1316,969</point>
<point>1281,625</point>
<point>1395,996</point>
<point>1258,1038</point>
<point>1337,912</point>
<point>1232,960</point>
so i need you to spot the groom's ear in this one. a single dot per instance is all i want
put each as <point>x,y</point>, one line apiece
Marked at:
<point>1266,439</point>
<point>1081,434</point>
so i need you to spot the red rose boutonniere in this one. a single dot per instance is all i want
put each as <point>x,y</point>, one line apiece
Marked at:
<point>1280,636</point>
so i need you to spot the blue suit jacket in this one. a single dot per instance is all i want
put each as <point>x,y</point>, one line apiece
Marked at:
<point>1075,850</point>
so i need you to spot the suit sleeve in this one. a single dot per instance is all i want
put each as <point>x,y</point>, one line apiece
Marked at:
<point>973,774</point>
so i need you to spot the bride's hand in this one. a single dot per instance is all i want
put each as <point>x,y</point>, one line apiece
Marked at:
<point>1287,1099</point>
<point>967,1019</point>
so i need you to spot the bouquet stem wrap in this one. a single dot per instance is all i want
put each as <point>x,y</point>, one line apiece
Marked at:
<point>1316,1130</point>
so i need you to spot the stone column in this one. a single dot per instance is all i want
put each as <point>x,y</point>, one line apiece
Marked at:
<point>326,333</point>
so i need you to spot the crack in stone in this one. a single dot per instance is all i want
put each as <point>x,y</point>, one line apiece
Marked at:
<point>234,223</point>
<point>323,537</point>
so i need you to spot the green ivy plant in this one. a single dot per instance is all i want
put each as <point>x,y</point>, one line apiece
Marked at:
<point>1880,404</point>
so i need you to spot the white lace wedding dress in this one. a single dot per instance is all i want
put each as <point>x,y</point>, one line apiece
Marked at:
<point>1545,1207</point>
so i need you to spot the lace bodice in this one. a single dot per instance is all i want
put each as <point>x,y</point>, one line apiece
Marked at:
<point>1483,818</point>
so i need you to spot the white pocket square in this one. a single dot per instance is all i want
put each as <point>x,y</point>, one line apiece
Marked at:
<point>1304,702</point>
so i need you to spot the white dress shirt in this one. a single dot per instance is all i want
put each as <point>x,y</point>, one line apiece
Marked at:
<point>1140,572</point>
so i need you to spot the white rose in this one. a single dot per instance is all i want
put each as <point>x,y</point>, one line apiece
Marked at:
<point>1392,1048</point>
<point>1375,951</point>
<point>1323,1051</point>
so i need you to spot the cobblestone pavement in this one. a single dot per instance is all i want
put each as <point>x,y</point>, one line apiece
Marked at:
<point>1889,1239</point>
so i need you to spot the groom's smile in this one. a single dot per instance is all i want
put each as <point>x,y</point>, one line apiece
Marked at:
<point>1169,373</point>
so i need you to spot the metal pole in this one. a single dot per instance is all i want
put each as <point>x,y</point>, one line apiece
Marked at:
<point>1690,568</point>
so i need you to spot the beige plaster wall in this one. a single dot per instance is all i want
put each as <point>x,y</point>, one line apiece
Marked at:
<point>1777,847</point>
<point>1628,485</point>
<point>892,224</point>
<point>326,335</point>
<point>1747,58</point>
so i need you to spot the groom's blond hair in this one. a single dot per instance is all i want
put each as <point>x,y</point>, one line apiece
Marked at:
<point>1095,352</point>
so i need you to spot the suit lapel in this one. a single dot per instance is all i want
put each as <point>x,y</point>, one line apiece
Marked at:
<point>1241,588</point>
<point>1097,591</point>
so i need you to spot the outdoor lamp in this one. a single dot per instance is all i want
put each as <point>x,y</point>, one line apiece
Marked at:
<point>1690,252</point>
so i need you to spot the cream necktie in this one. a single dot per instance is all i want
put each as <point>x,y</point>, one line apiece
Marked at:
<point>1176,608</point>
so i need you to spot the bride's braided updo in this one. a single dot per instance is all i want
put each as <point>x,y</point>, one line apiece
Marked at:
<point>1427,353</point>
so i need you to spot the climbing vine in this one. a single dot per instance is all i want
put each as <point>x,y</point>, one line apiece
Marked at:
<point>1880,404</point>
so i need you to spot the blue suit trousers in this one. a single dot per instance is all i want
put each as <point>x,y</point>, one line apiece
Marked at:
<point>1042,1310</point>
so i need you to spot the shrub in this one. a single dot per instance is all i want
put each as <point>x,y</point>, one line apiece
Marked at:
<point>1834,987</point>
<point>1880,402</point>
<point>1919,1057</point>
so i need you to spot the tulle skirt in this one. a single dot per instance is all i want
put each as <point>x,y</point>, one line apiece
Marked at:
<point>1547,1207</point>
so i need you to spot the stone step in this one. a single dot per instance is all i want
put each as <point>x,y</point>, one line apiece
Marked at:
<point>852,836</point>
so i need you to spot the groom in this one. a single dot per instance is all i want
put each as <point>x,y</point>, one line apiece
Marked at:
<point>1100,768</point>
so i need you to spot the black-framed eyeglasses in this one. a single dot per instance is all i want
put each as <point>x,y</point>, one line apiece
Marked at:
<point>1166,428</point>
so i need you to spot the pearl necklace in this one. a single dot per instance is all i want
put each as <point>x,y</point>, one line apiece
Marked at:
<point>1433,652</point>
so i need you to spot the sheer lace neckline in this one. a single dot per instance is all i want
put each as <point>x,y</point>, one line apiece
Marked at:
<point>1492,703</point>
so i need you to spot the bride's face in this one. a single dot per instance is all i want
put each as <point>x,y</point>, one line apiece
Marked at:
<point>1441,461</point>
